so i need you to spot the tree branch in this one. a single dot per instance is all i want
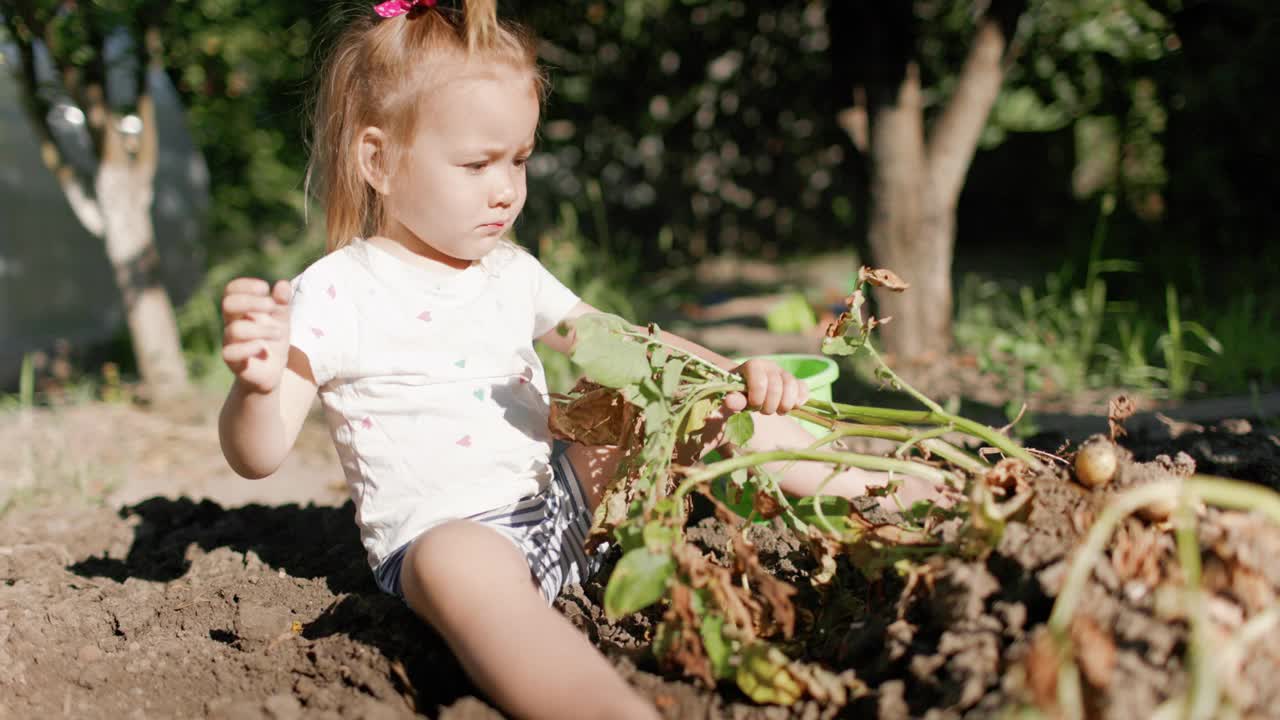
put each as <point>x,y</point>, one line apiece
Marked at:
<point>83,204</point>
<point>93,90</point>
<point>955,136</point>
<point>150,53</point>
<point>855,120</point>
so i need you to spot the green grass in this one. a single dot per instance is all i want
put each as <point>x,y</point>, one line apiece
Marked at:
<point>1061,339</point>
<point>1248,329</point>
<point>1070,335</point>
<point>46,465</point>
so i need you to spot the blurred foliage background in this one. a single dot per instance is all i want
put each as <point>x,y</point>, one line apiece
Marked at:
<point>682,129</point>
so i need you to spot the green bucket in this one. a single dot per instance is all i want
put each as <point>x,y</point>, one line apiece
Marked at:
<point>817,372</point>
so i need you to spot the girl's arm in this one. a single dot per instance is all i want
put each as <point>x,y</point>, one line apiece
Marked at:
<point>564,343</point>
<point>274,383</point>
<point>257,430</point>
<point>770,389</point>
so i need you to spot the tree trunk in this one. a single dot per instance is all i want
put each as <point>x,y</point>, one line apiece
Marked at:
<point>124,186</point>
<point>906,232</point>
<point>915,182</point>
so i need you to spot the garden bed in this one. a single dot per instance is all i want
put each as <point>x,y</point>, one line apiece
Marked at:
<point>172,607</point>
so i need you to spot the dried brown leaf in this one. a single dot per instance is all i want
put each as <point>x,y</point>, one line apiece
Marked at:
<point>1095,651</point>
<point>836,329</point>
<point>1041,665</point>
<point>1008,474</point>
<point>766,505</point>
<point>592,415</point>
<point>825,548</point>
<point>610,513</point>
<point>1120,408</point>
<point>781,614</point>
<point>882,277</point>
<point>740,609</point>
<point>1138,551</point>
<point>826,687</point>
<point>686,652</point>
<point>917,575</point>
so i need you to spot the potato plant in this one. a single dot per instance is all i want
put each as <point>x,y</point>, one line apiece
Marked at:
<point>730,622</point>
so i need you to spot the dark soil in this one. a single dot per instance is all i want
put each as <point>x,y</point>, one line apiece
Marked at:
<point>171,607</point>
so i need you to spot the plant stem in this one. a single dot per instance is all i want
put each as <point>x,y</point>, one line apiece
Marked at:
<point>872,415</point>
<point>920,437</point>
<point>1219,491</point>
<point>817,504</point>
<point>1256,628</point>
<point>1086,556</point>
<point>910,390</point>
<point>1203,691</point>
<point>941,448</point>
<point>866,462</point>
<point>1070,695</point>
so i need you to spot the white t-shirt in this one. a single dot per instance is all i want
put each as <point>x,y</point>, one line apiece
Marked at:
<point>435,399</point>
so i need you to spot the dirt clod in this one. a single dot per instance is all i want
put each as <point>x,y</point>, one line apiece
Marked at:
<point>262,622</point>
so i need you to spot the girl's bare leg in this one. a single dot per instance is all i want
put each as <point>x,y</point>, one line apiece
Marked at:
<point>474,587</point>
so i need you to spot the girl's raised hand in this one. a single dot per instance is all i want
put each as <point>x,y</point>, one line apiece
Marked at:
<point>255,338</point>
<point>770,389</point>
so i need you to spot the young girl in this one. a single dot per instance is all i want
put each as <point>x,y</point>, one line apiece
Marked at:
<point>417,331</point>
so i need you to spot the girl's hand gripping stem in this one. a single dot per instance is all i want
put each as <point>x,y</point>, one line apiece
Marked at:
<point>770,389</point>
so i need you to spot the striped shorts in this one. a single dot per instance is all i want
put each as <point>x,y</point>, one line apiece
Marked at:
<point>549,529</point>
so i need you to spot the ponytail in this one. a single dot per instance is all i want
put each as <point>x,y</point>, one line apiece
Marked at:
<point>480,23</point>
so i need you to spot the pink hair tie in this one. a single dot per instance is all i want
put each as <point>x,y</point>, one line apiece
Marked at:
<point>394,8</point>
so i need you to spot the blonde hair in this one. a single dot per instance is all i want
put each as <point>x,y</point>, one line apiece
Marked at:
<point>376,76</point>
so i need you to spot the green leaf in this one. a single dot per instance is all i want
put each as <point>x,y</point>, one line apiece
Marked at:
<point>1205,336</point>
<point>671,376</point>
<point>738,498</point>
<point>656,415</point>
<point>652,393</point>
<point>605,355</point>
<point>844,345</point>
<point>665,506</point>
<point>634,395</point>
<point>659,537</point>
<point>835,510</point>
<point>1021,110</point>
<point>638,581</point>
<point>719,650</point>
<point>613,361</point>
<point>697,417</point>
<point>739,429</point>
<point>629,537</point>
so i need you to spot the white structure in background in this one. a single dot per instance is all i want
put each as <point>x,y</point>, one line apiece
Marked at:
<point>55,280</point>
